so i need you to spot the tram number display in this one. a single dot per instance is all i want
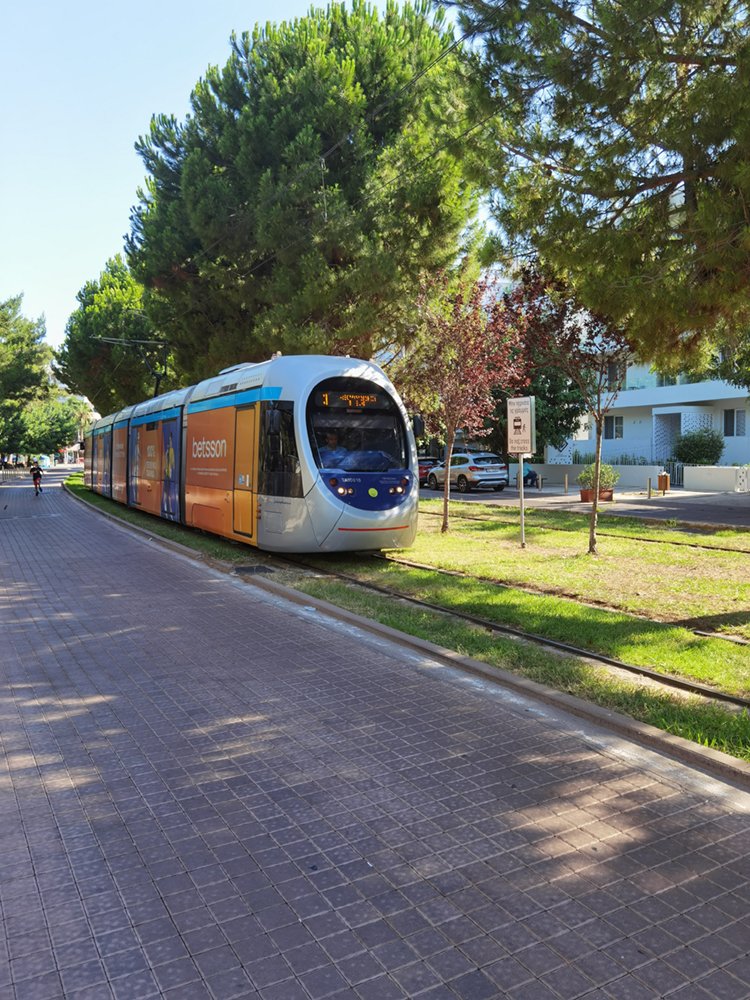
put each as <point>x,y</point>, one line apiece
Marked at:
<point>350,400</point>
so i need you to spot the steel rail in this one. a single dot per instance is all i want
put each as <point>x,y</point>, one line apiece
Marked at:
<point>691,687</point>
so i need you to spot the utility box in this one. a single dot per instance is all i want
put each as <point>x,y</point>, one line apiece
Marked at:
<point>663,481</point>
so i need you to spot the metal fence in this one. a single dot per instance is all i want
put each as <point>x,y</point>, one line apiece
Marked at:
<point>9,474</point>
<point>676,472</point>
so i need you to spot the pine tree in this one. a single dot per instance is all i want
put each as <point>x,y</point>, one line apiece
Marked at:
<point>621,156</point>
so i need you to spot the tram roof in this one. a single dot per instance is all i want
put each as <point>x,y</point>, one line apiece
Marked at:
<point>167,401</point>
<point>292,373</point>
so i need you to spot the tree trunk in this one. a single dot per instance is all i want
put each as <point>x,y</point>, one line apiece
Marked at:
<point>450,440</point>
<point>599,419</point>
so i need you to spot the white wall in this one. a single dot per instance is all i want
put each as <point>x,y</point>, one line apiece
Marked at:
<point>716,478</point>
<point>632,477</point>
<point>639,427</point>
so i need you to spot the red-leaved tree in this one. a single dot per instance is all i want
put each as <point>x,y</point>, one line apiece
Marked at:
<point>464,349</point>
<point>590,350</point>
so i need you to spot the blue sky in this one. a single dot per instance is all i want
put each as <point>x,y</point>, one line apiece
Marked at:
<point>79,82</point>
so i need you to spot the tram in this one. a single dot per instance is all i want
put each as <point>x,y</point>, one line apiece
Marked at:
<point>294,454</point>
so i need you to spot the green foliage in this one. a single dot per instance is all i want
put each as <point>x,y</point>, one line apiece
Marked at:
<point>23,360</point>
<point>732,358</point>
<point>608,477</point>
<point>311,187</point>
<point>23,353</point>
<point>621,152</point>
<point>560,404</point>
<point>50,424</point>
<point>703,447</point>
<point>110,375</point>
<point>11,427</point>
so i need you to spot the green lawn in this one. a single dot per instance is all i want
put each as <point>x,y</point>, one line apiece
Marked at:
<point>678,583</point>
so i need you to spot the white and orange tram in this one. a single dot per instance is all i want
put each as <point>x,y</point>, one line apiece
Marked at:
<point>295,454</point>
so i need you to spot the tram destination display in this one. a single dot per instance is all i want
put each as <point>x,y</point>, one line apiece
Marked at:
<point>347,400</point>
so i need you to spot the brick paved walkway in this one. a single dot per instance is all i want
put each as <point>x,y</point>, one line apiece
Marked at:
<point>206,793</point>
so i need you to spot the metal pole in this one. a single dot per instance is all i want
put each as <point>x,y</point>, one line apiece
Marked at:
<point>520,500</point>
<point>649,487</point>
<point>565,484</point>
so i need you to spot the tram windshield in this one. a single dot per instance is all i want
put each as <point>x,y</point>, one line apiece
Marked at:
<point>356,426</point>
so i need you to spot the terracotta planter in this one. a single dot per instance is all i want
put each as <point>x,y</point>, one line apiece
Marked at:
<point>587,496</point>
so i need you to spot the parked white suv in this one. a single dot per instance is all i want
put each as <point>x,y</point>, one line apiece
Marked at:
<point>471,470</point>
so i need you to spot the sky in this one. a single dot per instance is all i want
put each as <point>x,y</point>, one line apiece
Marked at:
<point>79,82</point>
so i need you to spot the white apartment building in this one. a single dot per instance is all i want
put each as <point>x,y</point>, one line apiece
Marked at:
<point>652,410</point>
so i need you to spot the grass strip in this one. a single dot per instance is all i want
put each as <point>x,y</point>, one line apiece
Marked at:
<point>207,545</point>
<point>665,648</point>
<point>668,531</point>
<point>694,587</point>
<point>687,716</point>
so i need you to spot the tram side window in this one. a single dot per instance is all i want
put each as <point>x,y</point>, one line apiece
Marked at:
<point>279,472</point>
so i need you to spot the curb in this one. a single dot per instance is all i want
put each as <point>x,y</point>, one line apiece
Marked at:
<point>713,762</point>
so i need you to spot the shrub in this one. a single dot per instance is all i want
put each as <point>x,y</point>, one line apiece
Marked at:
<point>607,477</point>
<point>702,447</point>
<point>630,460</point>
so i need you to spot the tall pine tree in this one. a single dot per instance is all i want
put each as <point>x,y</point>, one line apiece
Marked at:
<point>621,154</point>
<point>315,181</point>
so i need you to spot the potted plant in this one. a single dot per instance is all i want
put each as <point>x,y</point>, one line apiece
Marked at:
<point>607,479</point>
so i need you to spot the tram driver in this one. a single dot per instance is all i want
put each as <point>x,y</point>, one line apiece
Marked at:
<point>332,451</point>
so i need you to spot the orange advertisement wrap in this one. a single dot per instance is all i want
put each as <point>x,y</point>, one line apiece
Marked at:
<point>209,463</point>
<point>88,478</point>
<point>119,463</point>
<point>146,468</point>
<point>100,478</point>
<point>244,472</point>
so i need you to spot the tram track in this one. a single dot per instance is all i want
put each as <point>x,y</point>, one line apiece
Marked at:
<point>738,640</point>
<point>651,675</point>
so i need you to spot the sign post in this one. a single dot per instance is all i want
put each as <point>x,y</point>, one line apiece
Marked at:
<point>522,442</point>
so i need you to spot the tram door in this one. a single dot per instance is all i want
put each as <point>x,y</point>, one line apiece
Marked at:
<point>244,468</point>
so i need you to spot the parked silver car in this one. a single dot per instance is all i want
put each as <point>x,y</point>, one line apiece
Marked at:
<point>471,470</point>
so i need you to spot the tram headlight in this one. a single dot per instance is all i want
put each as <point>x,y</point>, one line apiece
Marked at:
<point>341,490</point>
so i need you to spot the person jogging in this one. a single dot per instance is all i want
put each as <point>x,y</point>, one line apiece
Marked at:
<point>36,476</point>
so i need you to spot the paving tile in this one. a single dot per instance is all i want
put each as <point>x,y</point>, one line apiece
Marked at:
<point>46,986</point>
<point>382,988</point>
<point>324,982</point>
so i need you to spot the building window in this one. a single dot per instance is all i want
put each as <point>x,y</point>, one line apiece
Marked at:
<point>612,427</point>
<point>583,431</point>
<point>616,372</point>
<point>734,423</point>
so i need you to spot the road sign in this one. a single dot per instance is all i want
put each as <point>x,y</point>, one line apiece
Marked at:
<point>522,425</point>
